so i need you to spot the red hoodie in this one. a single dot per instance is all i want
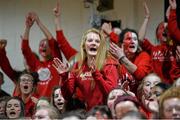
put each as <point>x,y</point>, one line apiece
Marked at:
<point>144,67</point>
<point>95,93</point>
<point>48,75</point>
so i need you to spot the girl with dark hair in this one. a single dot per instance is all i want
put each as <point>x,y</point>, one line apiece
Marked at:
<point>14,108</point>
<point>57,100</point>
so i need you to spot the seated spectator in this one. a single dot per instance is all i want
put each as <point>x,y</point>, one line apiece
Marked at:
<point>113,96</point>
<point>124,104</point>
<point>46,113</point>
<point>169,104</point>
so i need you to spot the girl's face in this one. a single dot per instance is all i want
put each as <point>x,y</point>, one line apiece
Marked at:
<point>26,84</point>
<point>92,43</point>
<point>171,108</point>
<point>13,108</point>
<point>149,83</point>
<point>59,100</point>
<point>130,42</point>
<point>162,32</point>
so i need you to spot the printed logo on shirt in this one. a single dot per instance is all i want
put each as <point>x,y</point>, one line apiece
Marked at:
<point>86,76</point>
<point>165,55</point>
<point>44,74</point>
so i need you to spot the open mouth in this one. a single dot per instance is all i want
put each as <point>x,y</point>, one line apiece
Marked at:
<point>60,103</point>
<point>44,50</point>
<point>93,49</point>
<point>25,87</point>
<point>131,46</point>
<point>12,113</point>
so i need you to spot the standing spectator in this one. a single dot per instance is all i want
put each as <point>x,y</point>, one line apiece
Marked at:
<point>135,64</point>
<point>95,73</point>
<point>48,76</point>
<point>162,55</point>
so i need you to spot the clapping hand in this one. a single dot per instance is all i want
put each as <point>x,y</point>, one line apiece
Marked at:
<point>60,66</point>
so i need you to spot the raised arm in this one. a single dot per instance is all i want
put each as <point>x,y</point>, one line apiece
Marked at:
<point>42,26</point>
<point>5,64</point>
<point>65,46</point>
<point>143,28</point>
<point>108,31</point>
<point>29,56</point>
<point>172,22</point>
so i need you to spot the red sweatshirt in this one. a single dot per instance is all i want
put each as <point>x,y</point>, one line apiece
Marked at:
<point>29,105</point>
<point>173,27</point>
<point>48,75</point>
<point>96,86</point>
<point>175,71</point>
<point>144,67</point>
<point>162,57</point>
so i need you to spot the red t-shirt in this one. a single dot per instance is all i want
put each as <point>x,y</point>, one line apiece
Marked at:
<point>162,57</point>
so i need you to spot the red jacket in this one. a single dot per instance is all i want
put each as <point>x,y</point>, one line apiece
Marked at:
<point>162,57</point>
<point>173,27</point>
<point>48,75</point>
<point>144,67</point>
<point>96,86</point>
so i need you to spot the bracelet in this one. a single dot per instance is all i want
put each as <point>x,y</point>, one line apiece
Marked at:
<point>121,58</point>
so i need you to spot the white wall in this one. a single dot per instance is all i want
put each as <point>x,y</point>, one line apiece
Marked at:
<point>75,20</point>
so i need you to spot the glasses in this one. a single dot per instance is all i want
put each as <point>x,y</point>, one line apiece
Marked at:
<point>26,80</point>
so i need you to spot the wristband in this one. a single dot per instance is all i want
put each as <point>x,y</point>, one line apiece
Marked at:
<point>121,58</point>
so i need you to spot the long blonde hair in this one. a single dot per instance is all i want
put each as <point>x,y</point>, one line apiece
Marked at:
<point>101,52</point>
